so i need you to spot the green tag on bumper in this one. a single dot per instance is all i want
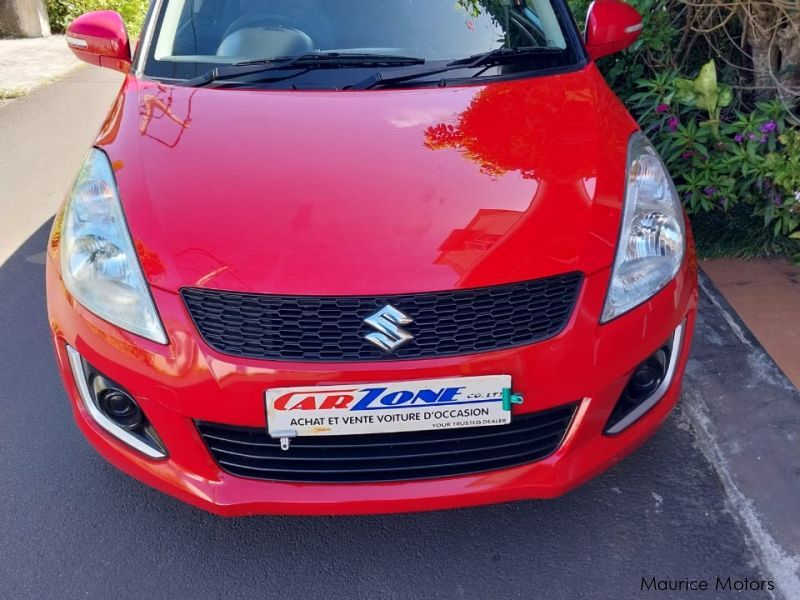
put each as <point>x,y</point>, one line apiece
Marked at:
<point>510,398</point>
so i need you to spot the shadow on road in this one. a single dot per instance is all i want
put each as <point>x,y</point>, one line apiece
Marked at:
<point>73,526</point>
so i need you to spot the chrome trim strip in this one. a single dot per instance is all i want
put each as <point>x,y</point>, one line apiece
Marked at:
<point>83,390</point>
<point>639,411</point>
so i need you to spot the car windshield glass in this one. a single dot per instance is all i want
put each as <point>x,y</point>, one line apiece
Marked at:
<point>189,38</point>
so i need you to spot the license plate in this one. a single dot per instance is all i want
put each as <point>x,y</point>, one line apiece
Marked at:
<point>388,407</point>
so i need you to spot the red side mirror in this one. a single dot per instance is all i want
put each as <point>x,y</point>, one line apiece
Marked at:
<point>100,38</point>
<point>611,26</point>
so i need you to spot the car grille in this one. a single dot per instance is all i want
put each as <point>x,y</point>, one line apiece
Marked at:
<point>308,328</point>
<point>252,453</point>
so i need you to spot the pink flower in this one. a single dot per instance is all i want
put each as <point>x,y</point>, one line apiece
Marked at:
<point>662,108</point>
<point>673,123</point>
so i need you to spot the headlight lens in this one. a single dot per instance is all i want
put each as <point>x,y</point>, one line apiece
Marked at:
<point>98,262</point>
<point>652,241</point>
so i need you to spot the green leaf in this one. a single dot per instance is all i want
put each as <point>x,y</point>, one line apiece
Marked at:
<point>706,82</point>
<point>687,97</point>
<point>725,96</point>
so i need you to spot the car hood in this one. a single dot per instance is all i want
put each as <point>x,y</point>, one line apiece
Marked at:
<point>375,192</point>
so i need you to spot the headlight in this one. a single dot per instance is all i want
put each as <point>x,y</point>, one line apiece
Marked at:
<point>98,261</point>
<point>652,240</point>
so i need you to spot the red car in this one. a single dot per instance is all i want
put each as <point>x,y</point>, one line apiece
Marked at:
<point>348,256</point>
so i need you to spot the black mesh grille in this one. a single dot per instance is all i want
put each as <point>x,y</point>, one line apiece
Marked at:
<point>252,453</point>
<point>329,328</point>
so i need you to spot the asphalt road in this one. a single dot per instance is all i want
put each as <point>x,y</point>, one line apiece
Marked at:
<point>73,527</point>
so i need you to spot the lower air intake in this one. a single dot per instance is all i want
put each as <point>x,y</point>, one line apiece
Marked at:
<point>251,452</point>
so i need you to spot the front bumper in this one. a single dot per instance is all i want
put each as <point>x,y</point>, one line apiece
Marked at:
<point>186,382</point>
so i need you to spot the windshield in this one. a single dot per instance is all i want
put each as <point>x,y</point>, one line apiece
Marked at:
<point>190,37</point>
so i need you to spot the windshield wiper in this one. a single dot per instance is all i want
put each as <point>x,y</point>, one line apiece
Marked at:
<point>501,55</point>
<point>485,59</point>
<point>302,63</point>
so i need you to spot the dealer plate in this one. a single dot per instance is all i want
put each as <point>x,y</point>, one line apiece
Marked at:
<point>388,407</point>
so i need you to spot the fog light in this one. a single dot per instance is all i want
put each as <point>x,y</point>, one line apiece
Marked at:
<point>121,408</point>
<point>648,383</point>
<point>114,409</point>
<point>647,377</point>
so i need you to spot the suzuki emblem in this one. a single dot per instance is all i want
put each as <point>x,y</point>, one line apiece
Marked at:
<point>389,334</point>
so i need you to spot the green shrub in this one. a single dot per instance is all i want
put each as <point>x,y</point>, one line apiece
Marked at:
<point>745,164</point>
<point>63,12</point>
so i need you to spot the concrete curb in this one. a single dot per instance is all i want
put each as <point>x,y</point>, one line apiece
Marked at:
<point>746,414</point>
